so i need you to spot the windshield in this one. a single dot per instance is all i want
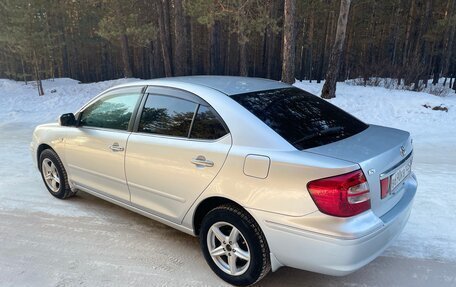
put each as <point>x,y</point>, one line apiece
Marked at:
<point>304,120</point>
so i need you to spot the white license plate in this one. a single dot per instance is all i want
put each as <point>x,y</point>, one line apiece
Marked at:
<point>400,175</point>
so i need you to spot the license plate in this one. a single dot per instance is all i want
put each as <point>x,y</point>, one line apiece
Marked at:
<point>400,175</point>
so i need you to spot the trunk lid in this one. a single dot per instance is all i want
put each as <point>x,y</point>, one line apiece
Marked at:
<point>377,150</point>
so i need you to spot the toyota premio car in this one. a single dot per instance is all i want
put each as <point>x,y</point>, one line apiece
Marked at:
<point>265,174</point>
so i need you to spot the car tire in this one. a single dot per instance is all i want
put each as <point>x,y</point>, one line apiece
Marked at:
<point>239,233</point>
<point>54,175</point>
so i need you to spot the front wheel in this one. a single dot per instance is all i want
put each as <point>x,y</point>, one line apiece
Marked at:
<point>54,175</point>
<point>234,246</point>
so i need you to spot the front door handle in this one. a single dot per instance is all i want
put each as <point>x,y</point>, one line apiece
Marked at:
<point>201,161</point>
<point>116,147</point>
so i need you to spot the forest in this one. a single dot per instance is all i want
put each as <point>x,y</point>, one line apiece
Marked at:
<point>410,41</point>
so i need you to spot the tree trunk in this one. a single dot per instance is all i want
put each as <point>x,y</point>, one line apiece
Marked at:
<point>152,71</point>
<point>329,88</point>
<point>243,71</point>
<point>179,38</point>
<point>158,59</point>
<point>289,42</point>
<point>310,41</point>
<point>322,56</point>
<point>394,36</point>
<point>436,72</point>
<point>163,27</point>
<point>39,84</point>
<point>40,87</point>
<point>125,57</point>
<point>348,60</point>
<point>65,64</point>
<point>227,59</point>
<point>449,34</point>
<point>194,48</point>
<point>449,51</point>
<point>215,49</point>
<point>207,50</point>
<point>406,46</point>
<point>270,53</point>
<point>24,76</point>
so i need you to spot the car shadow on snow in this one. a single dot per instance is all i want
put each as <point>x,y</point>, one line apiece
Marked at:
<point>383,271</point>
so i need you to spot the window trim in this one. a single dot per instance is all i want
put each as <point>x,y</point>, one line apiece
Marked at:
<point>193,120</point>
<point>179,94</point>
<point>181,138</point>
<point>130,89</point>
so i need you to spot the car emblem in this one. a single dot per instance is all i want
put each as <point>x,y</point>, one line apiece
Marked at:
<point>402,151</point>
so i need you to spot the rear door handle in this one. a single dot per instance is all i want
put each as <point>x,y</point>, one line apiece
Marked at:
<point>201,161</point>
<point>116,147</point>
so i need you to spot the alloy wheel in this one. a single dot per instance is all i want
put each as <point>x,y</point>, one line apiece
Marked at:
<point>51,175</point>
<point>228,248</point>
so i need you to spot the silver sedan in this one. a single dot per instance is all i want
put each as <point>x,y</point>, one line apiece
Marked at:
<point>265,174</point>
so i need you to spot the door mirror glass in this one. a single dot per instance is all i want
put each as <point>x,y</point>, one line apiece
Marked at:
<point>67,120</point>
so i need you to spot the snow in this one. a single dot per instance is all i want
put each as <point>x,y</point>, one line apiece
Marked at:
<point>430,233</point>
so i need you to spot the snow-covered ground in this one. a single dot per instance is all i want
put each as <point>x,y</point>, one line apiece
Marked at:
<point>29,216</point>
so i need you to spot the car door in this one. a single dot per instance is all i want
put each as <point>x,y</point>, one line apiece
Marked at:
<point>179,147</point>
<point>95,149</point>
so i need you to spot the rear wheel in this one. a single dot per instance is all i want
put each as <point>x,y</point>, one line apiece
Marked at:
<point>234,245</point>
<point>54,175</point>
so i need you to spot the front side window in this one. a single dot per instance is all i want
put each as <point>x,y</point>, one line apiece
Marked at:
<point>302,119</point>
<point>166,115</point>
<point>206,125</point>
<point>111,112</point>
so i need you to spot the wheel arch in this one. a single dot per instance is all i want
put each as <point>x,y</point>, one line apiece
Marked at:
<point>39,150</point>
<point>207,205</point>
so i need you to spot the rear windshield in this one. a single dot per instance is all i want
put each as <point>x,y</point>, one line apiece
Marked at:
<point>301,118</point>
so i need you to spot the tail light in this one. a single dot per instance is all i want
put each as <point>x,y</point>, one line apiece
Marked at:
<point>343,195</point>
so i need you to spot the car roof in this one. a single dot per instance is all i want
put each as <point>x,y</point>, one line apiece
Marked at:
<point>229,85</point>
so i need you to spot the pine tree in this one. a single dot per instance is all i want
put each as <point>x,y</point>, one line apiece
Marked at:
<point>329,88</point>
<point>289,42</point>
<point>125,23</point>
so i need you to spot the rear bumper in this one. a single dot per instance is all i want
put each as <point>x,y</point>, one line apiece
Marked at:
<point>358,241</point>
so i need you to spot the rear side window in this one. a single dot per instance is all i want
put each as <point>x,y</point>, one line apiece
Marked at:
<point>206,125</point>
<point>166,115</point>
<point>302,119</point>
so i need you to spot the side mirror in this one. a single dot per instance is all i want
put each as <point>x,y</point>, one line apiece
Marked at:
<point>67,120</point>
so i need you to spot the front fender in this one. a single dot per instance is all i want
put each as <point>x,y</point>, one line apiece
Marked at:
<point>48,136</point>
